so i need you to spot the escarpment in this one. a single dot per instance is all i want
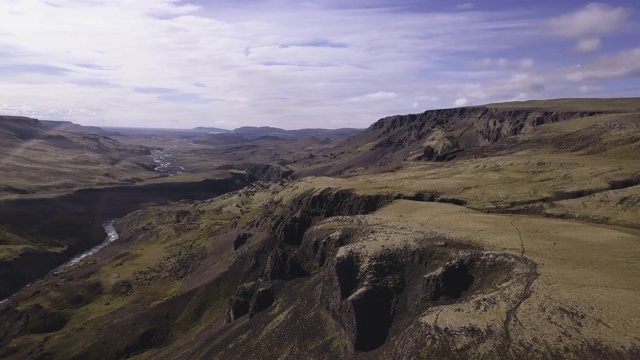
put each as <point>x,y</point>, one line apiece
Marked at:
<point>438,135</point>
<point>475,125</point>
<point>289,225</point>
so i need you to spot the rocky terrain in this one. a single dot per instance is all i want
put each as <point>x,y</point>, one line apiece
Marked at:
<point>507,231</point>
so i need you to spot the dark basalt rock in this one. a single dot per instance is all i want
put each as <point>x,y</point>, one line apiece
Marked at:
<point>346,269</point>
<point>373,311</point>
<point>248,299</point>
<point>260,172</point>
<point>448,283</point>
<point>263,300</point>
<point>310,207</point>
<point>428,153</point>
<point>293,231</point>
<point>241,240</point>
<point>240,302</point>
<point>281,266</point>
<point>363,300</point>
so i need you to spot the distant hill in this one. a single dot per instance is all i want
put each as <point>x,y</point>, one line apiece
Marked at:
<point>21,128</point>
<point>210,130</point>
<point>252,132</point>
<point>68,126</point>
<point>224,138</point>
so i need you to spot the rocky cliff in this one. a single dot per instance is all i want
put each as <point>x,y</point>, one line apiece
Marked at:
<point>436,135</point>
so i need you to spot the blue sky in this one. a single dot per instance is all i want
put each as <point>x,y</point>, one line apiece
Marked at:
<point>296,64</point>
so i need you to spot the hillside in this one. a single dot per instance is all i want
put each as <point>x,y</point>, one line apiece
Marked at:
<point>15,128</point>
<point>37,159</point>
<point>69,126</point>
<point>506,231</point>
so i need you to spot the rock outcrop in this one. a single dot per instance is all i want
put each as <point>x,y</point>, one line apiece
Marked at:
<point>260,172</point>
<point>249,299</point>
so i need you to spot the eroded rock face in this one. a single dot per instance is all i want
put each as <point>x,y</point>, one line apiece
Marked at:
<point>249,299</point>
<point>240,302</point>
<point>362,297</point>
<point>262,300</point>
<point>489,124</point>
<point>260,172</point>
<point>428,153</point>
<point>311,207</point>
<point>281,266</point>
<point>240,240</point>
<point>366,292</point>
<point>448,283</point>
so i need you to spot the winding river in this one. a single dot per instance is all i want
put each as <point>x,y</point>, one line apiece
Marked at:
<point>112,235</point>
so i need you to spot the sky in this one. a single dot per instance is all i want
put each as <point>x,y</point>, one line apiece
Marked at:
<point>297,64</point>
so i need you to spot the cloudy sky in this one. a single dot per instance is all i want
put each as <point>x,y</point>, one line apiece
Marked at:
<point>296,64</point>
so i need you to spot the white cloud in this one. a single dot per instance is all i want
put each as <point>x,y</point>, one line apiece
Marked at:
<point>461,102</point>
<point>594,19</point>
<point>586,89</point>
<point>589,45</point>
<point>375,97</point>
<point>503,63</point>
<point>153,62</point>
<point>515,86</point>
<point>236,63</point>
<point>621,65</point>
<point>588,24</point>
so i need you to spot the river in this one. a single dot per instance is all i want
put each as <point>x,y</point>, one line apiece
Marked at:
<point>112,235</point>
<point>165,162</point>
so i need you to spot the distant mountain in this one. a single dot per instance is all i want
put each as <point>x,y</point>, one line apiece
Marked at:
<point>341,133</point>
<point>252,132</point>
<point>68,126</point>
<point>211,130</point>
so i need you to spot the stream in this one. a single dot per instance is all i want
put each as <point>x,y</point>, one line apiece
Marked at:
<point>112,235</point>
<point>165,163</point>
